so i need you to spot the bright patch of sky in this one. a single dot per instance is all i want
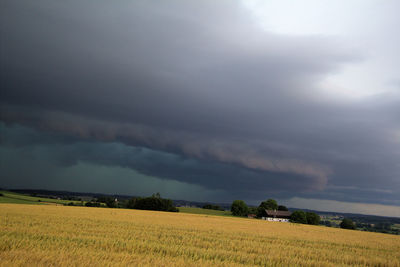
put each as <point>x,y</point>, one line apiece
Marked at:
<point>341,206</point>
<point>364,26</point>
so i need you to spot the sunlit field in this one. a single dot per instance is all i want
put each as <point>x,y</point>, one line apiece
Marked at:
<point>60,235</point>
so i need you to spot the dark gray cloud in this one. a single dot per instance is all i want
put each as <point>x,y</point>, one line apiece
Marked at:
<point>63,152</point>
<point>196,93</point>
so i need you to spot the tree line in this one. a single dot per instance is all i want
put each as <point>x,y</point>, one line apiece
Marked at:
<point>154,202</point>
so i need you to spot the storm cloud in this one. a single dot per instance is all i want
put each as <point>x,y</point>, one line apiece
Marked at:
<point>193,92</point>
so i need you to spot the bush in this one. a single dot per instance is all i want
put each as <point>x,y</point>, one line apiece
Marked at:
<point>313,218</point>
<point>347,224</point>
<point>109,201</point>
<point>1,194</point>
<point>298,216</point>
<point>326,223</point>
<point>92,204</point>
<point>239,208</point>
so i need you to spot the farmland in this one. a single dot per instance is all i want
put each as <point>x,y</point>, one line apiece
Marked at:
<point>61,235</point>
<point>11,197</point>
<point>194,210</point>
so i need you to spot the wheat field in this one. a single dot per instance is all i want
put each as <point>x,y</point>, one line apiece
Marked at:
<point>81,236</point>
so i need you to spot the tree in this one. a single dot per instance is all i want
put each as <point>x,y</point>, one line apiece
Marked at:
<point>252,210</point>
<point>298,216</point>
<point>281,207</point>
<point>155,202</point>
<point>347,224</point>
<point>111,203</point>
<point>239,208</point>
<point>312,218</point>
<point>269,204</point>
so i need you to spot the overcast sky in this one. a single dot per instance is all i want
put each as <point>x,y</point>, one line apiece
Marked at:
<point>204,100</point>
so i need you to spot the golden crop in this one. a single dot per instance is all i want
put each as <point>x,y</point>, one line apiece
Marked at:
<point>70,236</point>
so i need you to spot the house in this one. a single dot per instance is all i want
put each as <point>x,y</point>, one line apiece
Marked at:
<point>251,216</point>
<point>277,215</point>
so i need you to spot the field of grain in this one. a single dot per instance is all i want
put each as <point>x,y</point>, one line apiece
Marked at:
<point>45,235</point>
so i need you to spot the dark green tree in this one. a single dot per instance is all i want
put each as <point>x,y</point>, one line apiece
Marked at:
<point>239,208</point>
<point>347,224</point>
<point>269,204</point>
<point>110,202</point>
<point>313,218</point>
<point>281,207</point>
<point>252,210</point>
<point>298,216</point>
<point>155,202</point>
<point>156,195</point>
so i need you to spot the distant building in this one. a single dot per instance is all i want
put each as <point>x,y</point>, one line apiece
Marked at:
<point>277,215</point>
<point>251,216</point>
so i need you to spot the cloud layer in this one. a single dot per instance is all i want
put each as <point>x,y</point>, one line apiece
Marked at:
<point>197,93</point>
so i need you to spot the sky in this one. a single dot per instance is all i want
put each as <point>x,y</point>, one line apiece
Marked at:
<point>204,100</point>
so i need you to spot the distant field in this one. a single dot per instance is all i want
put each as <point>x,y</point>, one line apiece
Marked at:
<point>11,197</point>
<point>204,211</point>
<point>32,235</point>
